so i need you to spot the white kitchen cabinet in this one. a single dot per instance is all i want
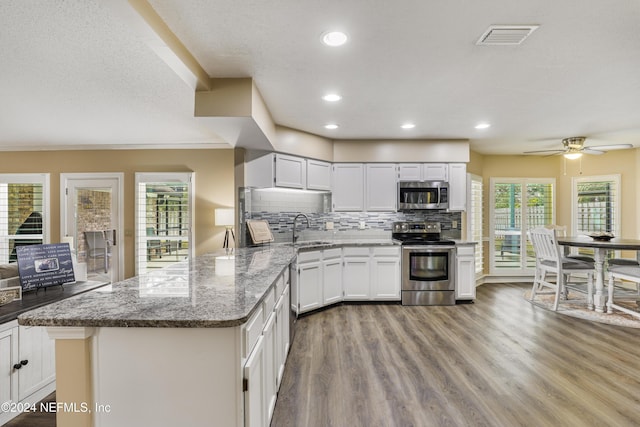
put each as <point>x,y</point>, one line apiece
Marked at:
<point>410,172</point>
<point>356,274</point>
<point>309,285</point>
<point>275,170</point>
<point>290,171</point>
<point>381,189</point>
<point>385,273</point>
<point>457,186</point>
<point>8,357</point>
<point>465,272</point>
<point>332,276</point>
<point>37,354</point>
<point>318,175</point>
<point>282,333</point>
<point>435,172</point>
<point>254,395</point>
<point>348,187</point>
<point>270,368</point>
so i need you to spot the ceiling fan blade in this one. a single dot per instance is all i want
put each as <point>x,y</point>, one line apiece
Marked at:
<point>610,147</point>
<point>591,150</point>
<point>544,151</point>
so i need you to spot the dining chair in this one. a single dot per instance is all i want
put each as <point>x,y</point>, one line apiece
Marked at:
<point>623,272</point>
<point>98,247</point>
<point>550,259</point>
<point>561,230</point>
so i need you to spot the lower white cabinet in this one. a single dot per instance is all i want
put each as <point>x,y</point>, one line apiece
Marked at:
<point>385,273</point>
<point>270,369</point>
<point>465,272</point>
<point>331,276</point>
<point>27,368</point>
<point>282,333</point>
<point>254,395</point>
<point>310,283</point>
<point>356,274</point>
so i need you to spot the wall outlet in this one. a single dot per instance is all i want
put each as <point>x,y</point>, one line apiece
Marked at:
<point>328,225</point>
<point>454,224</point>
<point>362,225</point>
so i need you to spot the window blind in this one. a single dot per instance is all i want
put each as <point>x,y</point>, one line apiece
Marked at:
<point>476,221</point>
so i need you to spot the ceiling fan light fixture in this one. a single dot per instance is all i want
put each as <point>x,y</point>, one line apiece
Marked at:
<point>572,155</point>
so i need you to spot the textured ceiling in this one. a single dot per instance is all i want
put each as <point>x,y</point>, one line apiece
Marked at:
<point>75,74</point>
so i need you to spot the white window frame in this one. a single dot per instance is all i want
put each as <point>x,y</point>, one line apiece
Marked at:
<point>475,222</point>
<point>523,270</point>
<point>27,178</point>
<point>616,178</point>
<point>140,229</point>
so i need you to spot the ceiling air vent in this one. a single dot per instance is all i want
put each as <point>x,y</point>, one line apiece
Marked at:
<point>506,34</point>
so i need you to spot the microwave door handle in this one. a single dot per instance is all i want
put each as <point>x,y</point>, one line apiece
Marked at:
<point>439,197</point>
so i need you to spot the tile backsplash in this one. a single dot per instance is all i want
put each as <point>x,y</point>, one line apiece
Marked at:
<point>279,208</point>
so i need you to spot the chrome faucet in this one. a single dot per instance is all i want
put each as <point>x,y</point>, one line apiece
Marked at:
<point>306,218</point>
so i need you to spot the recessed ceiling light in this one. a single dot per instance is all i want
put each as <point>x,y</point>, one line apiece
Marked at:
<point>332,97</point>
<point>331,126</point>
<point>483,126</point>
<point>408,126</point>
<point>334,38</point>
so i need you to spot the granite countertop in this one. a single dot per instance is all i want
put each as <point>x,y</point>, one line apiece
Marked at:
<point>34,299</point>
<point>209,291</point>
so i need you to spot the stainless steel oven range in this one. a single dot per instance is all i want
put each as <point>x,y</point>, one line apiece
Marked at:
<point>428,264</point>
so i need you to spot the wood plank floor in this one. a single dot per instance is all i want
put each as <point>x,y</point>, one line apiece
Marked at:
<point>498,362</point>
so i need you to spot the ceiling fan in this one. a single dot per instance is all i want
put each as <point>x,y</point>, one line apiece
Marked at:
<point>573,148</point>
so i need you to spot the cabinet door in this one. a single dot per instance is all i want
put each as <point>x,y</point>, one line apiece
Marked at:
<point>410,172</point>
<point>282,334</point>
<point>310,286</point>
<point>457,187</point>
<point>318,175</point>
<point>348,187</point>
<point>270,368</point>
<point>465,273</point>
<point>355,278</point>
<point>254,402</point>
<point>8,380</point>
<point>435,171</point>
<point>38,350</point>
<point>290,171</point>
<point>381,187</point>
<point>385,277</point>
<point>332,280</point>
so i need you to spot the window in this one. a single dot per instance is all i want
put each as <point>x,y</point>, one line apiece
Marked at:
<point>516,206</point>
<point>474,220</point>
<point>24,212</point>
<point>596,206</point>
<point>163,219</point>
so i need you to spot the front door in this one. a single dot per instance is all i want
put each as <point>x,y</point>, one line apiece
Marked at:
<point>92,218</point>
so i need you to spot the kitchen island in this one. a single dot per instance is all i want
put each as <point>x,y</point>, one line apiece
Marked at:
<point>175,346</point>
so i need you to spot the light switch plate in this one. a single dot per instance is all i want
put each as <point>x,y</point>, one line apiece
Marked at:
<point>328,225</point>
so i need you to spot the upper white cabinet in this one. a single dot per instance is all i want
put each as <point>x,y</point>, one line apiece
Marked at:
<point>290,171</point>
<point>410,172</point>
<point>435,172</point>
<point>318,175</point>
<point>457,186</point>
<point>278,170</point>
<point>381,189</point>
<point>348,187</point>
<point>423,172</point>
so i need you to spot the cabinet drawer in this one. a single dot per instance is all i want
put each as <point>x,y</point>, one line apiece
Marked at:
<point>279,286</point>
<point>355,251</point>
<point>309,256</point>
<point>465,250</point>
<point>253,330</point>
<point>386,251</point>
<point>286,274</point>
<point>332,253</point>
<point>268,302</point>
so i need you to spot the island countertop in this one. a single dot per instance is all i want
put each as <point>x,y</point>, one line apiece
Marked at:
<point>211,290</point>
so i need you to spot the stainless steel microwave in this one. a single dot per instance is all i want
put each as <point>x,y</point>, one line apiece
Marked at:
<point>417,195</point>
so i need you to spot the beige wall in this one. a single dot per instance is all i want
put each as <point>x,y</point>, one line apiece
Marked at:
<point>303,144</point>
<point>400,151</point>
<point>214,178</point>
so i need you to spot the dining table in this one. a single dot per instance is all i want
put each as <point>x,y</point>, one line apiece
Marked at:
<point>601,249</point>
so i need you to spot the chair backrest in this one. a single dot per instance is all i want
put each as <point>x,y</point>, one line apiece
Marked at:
<point>561,230</point>
<point>95,240</point>
<point>545,244</point>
